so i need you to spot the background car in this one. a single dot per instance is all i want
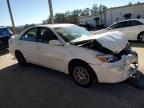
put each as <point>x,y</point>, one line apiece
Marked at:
<point>133,29</point>
<point>5,34</point>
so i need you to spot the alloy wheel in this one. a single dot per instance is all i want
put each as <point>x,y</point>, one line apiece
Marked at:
<point>81,75</point>
<point>141,37</point>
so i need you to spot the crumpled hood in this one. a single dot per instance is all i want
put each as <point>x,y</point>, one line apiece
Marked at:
<point>114,41</point>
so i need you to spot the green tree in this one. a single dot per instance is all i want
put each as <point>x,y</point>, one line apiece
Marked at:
<point>76,13</point>
<point>59,17</point>
<point>102,8</point>
<point>86,12</point>
<point>130,3</point>
<point>71,16</point>
<point>94,9</point>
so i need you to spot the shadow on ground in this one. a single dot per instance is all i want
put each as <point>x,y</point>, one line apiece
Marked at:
<point>3,52</point>
<point>38,87</point>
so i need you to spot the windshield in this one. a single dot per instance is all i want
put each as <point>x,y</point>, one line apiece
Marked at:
<point>5,32</point>
<point>72,32</point>
<point>142,21</point>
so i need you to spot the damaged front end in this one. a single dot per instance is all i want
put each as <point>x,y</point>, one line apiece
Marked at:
<point>112,56</point>
<point>119,61</point>
<point>115,56</point>
<point>116,67</point>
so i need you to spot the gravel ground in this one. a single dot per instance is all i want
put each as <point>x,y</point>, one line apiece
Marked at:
<point>139,48</point>
<point>39,87</point>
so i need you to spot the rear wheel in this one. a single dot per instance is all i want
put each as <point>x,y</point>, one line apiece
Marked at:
<point>20,58</point>
<point>82,74</point>
<point>141,37</point>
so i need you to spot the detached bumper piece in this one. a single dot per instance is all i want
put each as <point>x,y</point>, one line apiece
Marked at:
<point>133,69</point>
<point>136,79</point>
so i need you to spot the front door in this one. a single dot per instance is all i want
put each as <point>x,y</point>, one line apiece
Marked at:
<point>49,55</point>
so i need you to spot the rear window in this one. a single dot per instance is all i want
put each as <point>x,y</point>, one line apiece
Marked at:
<point>142,21</point>
<point>5,32</point>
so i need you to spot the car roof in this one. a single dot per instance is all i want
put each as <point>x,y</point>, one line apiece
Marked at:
<point>54,25</point>
<point>3,27</point>
<point>141,20</point>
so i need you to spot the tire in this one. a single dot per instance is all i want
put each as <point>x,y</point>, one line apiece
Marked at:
<point>20,58</point>
<point>83,74</point>
<point>141,37</point>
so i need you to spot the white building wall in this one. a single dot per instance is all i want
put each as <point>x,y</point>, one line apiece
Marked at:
<point>91,20</point>
<point>87,20</point>
<point>117,14</point>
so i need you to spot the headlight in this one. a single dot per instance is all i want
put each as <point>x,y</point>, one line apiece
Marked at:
<point>107,58</point>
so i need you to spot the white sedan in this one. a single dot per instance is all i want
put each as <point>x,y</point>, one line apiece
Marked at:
<point>104,58</point>
<point>133,29</point>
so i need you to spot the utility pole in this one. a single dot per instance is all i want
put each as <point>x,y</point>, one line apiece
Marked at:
<point>51,11</point>
<point>11,16</point>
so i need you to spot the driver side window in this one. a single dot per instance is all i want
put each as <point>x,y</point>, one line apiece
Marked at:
<point>30,35</point>
<point>46,35</point>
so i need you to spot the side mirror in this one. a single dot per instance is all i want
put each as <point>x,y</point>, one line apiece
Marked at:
<point>55,43</point>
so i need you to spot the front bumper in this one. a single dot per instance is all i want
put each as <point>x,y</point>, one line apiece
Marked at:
<point>117,71</point>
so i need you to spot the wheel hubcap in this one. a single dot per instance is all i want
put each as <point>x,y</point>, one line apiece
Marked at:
<point>81,75</point>
<point>141,37</point>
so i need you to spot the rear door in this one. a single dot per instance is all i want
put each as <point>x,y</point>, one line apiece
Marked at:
<point>135,29</point>
<point>27,44</point>
<point>130,30</point>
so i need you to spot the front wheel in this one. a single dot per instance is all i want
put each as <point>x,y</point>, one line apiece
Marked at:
<point>141,37</point>
<point>20,58</point>
<point>83,75</point>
